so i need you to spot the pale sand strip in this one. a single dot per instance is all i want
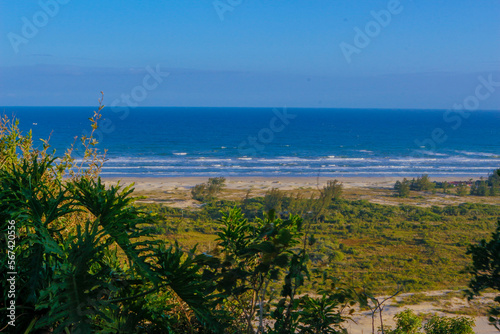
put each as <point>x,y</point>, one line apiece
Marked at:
<point>283,183</point>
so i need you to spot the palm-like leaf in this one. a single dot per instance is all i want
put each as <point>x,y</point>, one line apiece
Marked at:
<point>119,219</point>
<point>181,273</point>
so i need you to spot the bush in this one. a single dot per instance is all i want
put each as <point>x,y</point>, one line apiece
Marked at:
<point>485,271</point>
<point>407,322</point>
<point>422,183</point>
<point>273,200</point>
<point>333,189</point>
<point>462,190</point>
<point>447,325</point>
<point>480,188</point>
<point>208,191</point>
<point>487,187</point>
<point>402,188</point>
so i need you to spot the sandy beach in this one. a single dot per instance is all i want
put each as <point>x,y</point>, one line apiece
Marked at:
<point>282,183</point>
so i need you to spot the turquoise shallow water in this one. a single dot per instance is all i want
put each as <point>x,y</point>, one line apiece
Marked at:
<point>278,142</point>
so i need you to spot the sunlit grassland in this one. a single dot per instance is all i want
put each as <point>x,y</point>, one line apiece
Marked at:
<point>368,244</point>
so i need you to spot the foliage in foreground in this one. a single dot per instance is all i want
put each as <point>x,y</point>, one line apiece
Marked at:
<point>75,280</point>
<point>83,257</point>
<point>86,260</point>
<point>485,271</point>
<point>71,277</point>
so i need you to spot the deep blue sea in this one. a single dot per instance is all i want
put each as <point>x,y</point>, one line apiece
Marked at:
<point>161,141</point>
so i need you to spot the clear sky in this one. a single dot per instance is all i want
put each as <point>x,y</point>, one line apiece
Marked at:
<point>304,53</point>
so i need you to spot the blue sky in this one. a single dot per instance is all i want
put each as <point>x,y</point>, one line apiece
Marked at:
<point>426,54</point>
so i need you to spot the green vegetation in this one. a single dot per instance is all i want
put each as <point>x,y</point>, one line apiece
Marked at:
<point>273,200</point>
<point>87,260</point>
<point>485,271</point>
<point>462,190</point>
<point>208,191</point>
<point>422,183</point>
<point>333,190</point>
<point>360,241</point>
<point>488,187</point>
<point>84,260</point>
<point>445,325</point>
<point>402,188</point>
<point>418,298</point>
<point>482,187</point>
<point>408,322</point>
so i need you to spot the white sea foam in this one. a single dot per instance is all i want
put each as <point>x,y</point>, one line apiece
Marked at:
<point>483,154</point>
<point>413,160</point>
<point>332,158</point>
<point>426,152</point>
<point>203,159</point>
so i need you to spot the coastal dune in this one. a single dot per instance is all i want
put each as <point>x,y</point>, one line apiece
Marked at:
<point>176,191</point>
<point>282,183</point>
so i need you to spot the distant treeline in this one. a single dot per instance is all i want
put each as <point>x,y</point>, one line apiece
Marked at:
<point>489,186</point>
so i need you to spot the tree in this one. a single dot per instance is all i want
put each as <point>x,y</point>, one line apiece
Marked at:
<point>209,190</point>
<point>402,188</point>
<point>377,305</point>
<point>254,255</point>
<point>253,258</point>
<point>487,187</point>
<point>494,183</point>
<point>273,200</point>
<point>446,186</point>
<point>462,190</point>
<point>422,183</point>
<point>333,189</point>
<point>483,189</point>
<point>485,271</point>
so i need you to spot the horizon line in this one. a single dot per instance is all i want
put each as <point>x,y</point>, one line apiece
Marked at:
<point>268,107</point>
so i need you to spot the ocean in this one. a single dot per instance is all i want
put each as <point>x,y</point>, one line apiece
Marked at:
<point>174,141</point>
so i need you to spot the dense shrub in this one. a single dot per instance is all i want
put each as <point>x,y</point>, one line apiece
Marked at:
<point>485,271</point>
<point>402,188</point>
<point>84,260</point>
<point>209,190</point>
<point>422,183</point>
<point>407,322</point>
